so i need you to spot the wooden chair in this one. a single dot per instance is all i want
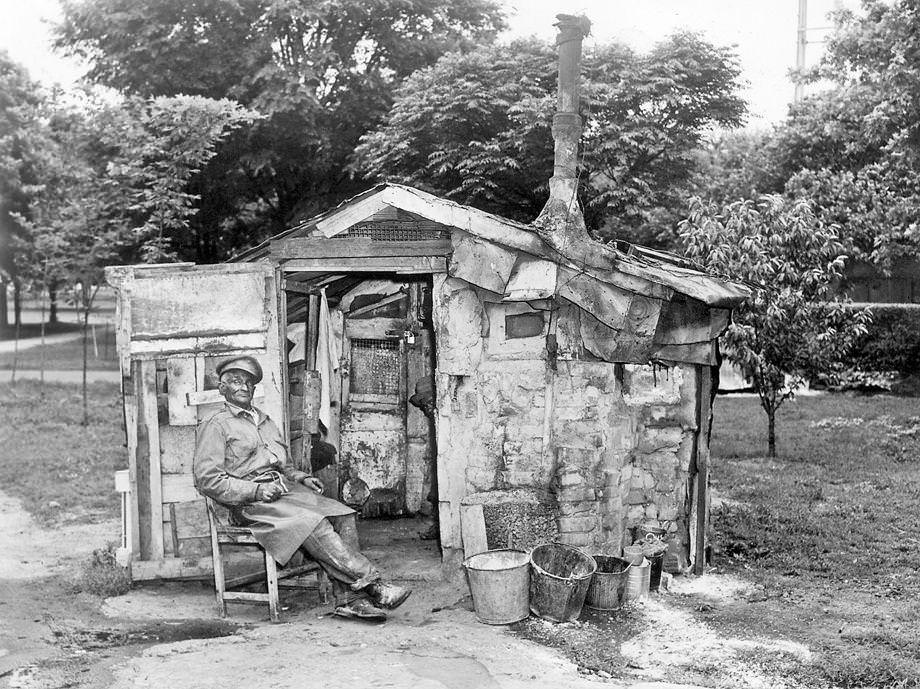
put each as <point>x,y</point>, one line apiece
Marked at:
<point>223,534</point>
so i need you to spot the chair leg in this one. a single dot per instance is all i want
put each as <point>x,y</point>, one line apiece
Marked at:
<point>271,575</point>
<point>220,582</point>
<point>322,583</point>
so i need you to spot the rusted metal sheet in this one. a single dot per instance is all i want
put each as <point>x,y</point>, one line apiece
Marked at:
<point>480,263</point>
<point>378,458</point>
<point>531,279</point>
<point>183,305</point>
<point>686,321</point>
<point>614,345</point>
<point>694,353</point>
<point>458,316</point>
<point>604,302</point>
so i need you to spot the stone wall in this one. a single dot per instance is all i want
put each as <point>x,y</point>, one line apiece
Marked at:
<point>613,443</point>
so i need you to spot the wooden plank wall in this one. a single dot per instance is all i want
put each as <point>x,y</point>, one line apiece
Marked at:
<point>168,394</point>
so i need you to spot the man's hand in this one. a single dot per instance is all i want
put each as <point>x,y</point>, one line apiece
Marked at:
<point>313,484</point>
<point>268,492</point>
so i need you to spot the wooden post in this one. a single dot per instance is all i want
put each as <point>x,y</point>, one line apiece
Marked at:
<point>703,418</point>
<point>149,488</point>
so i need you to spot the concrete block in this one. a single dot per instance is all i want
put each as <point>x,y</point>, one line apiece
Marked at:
<point>581,524</point>
<point>660,438</point>
<point>577,494</point>
<point>635,514</point>
<point>579,540</point>
<point>636,496</point>
<point>571,478</point>
<point>569,509</point>
<point>667,513</point>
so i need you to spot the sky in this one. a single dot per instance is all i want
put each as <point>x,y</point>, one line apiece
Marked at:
<point>763,33</point>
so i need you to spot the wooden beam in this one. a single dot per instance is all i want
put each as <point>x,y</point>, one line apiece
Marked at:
<point>180,375</point>
<point>377,304</point>
<point>473,530</point>
<point>356,247</point>
<point>472,220</point>
<point>171,568</point>
<point>160,349</point>
<point>704,415</point>
<point>148,424</point>
<point>352,213</point>
<point>178,488</point>
<point>371,264</point>
<point>199,397</point>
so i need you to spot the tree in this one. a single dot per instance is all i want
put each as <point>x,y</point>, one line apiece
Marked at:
<point>20,144</point>
<point>793,327</point>
<point>321,72</point>
<point>113,187</point>
<point>851,150</point>
<point>475,127</point>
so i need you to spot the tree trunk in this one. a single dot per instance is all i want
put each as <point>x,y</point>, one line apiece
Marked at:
<point>771,432</point>
<point>17,303</point>
<point>41,364</point>
<point>85,344</point>
<point>53,304</point>
<point>15,354</point>
<point>4,307</point>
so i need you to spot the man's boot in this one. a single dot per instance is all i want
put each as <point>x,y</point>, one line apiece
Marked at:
<point>389,596</point>
<point>360,609</point>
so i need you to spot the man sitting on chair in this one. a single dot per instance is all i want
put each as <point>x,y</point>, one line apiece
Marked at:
<point>241,461</point>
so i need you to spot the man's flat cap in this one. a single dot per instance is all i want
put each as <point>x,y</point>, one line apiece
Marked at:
<point>240,363</point>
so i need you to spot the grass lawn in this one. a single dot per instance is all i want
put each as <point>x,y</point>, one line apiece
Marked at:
<point>830,529</point>
<point>60,469</point>
<point>68,356</point>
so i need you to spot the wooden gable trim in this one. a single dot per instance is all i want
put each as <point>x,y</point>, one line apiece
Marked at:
<point>352,213</point>
<point>430,207</point>
<point>371,264</point>
<point>355,247</point>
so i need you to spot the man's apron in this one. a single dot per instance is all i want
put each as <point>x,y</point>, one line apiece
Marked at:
<point>282,526</point>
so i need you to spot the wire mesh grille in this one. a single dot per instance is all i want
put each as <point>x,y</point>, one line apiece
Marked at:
<point>374,367</point>
<point>394,232</point>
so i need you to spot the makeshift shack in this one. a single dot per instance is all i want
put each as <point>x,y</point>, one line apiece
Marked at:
<point>563,370</point>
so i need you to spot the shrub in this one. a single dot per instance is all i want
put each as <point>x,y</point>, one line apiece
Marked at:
<point>892,342</point>
<point>103,576</point>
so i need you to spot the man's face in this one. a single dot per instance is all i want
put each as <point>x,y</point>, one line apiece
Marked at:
<point>237,387</point>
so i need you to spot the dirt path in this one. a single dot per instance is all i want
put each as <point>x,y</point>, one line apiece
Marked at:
<point>168,635</point>
<point>34,574</point>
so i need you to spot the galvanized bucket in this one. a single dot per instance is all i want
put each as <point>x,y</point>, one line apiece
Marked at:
<point>637,582</point>
<point>608,583</point>
<point>500,582</point>
<point>559,580</point>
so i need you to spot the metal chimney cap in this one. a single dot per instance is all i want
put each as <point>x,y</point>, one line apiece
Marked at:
<point>572,27</point>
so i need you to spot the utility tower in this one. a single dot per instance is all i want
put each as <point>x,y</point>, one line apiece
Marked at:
<point>800,44</point>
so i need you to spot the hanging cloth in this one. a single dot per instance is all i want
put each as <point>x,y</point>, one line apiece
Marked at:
<point>328,353</point>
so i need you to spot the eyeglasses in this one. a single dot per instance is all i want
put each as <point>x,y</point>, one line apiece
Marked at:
<point>238,382</point>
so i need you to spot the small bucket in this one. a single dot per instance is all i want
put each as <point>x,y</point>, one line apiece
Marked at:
<point>559,580</point>
<point>633,554</point>
<point>637,582</point>
<point>499,581</point>
<point>608,583</point>
<point>654,579</point>
<point>650,528</point>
